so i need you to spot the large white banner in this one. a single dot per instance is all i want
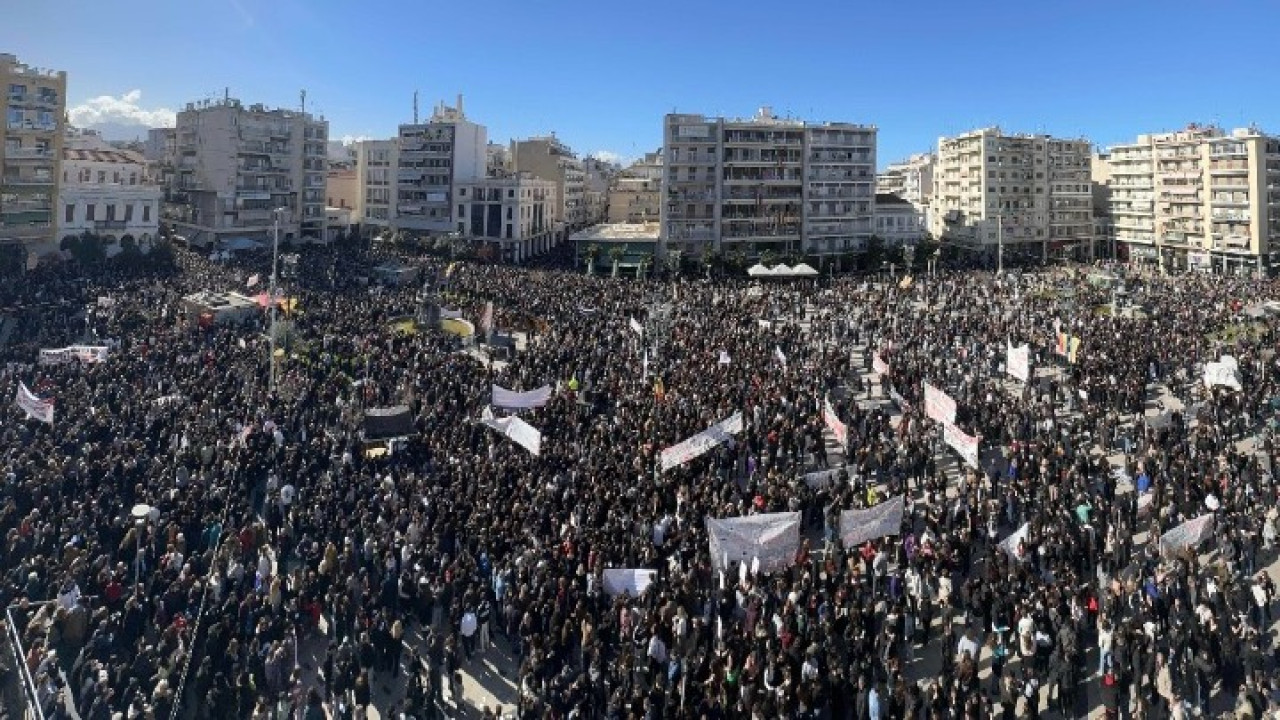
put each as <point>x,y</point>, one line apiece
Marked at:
<point>1018,361</point>
<point>965,445</point>
<point>631,581</point>
<point>878,365</point>
<point>33,406</point>
<point>859,526</point>
<point>505,398</point>
<point>938,405</point>
<point>87,354</point>
<point>1222,373</point>
<point>696,445</point>
<point>516,430</point>
<point>1187,535</point>
<point>839,429</point>
<point>821,478</point>
<point>1010,544</point>
<point>769,541</point>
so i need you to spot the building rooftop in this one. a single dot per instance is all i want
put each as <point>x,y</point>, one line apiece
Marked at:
<point>619,232</point>
<point>890,199</point>
<point>104,156</point>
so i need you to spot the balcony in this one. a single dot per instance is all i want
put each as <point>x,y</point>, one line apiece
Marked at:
<point>11,154</point>
<point>109,224</point>
<point>33,180</point>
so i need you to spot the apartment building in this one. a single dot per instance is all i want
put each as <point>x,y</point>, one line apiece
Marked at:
<point>1198,198</point>
<point>433,158</point>
<point>342,185</point>
<point>107,192</point>
<point>234,165</point>
<point>767,183</point>
<point>513,214</point>
<point>1030,193</point>
<point>376,183</point>
<point>34,108</point>
<point>898,222</point>
<point>550,159</point>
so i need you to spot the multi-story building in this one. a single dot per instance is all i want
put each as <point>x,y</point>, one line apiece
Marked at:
<point>550,159</point>
<point>512,214</point>
<point>108,193</point>
<point>1104,232</point>
<point>434,157</point>
<point>235,165</point>
<point>767,184</point>
<point>376,163</point>
<point>911,180</point>
<point>898,222</point>
<point>1198,198</point>
<point>34,108</point>
<point>342,187</point>
<point>635,199</point>
<point>497,160</point>
<point>1030,193</point>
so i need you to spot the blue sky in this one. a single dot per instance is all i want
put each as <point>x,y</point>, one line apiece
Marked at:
<point>601,74</point>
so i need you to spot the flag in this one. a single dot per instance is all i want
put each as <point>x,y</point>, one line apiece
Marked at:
<point>253,280</point>
<point>777,354</point>
<point>646,365</point>
<point>636,327</point>
<point>659,390</point>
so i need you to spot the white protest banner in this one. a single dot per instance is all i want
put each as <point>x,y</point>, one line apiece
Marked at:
<point>253,280</point>
<point>859,526</point>
<point>898,400</point>
<point>1187,535</point>
<point>1018,361</point>
<point>821,479</point>
<point>767,541</point>
<point>938,405</point>
<point>777,355</point>
<point>724,357</point>
<point>87,354</point>
<point>965,445</point>
<point>106,301</point>
<point>636,327</point>
<point>878,365</point>
<point>447,314</point>
<point>516,430</point>
<point>696,445</point>
<point>1010,544</point>
<point>631,581</point>
<point>511,399</point>
<point>33,406</point>
<point>838,429</point>
<point>1220,373</point>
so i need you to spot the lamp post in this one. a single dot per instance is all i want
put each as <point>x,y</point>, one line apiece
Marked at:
<point>1000,244</point>
<point>275,262</point>
<point>141,513</point>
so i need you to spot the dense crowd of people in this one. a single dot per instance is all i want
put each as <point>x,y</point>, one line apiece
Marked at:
<point>289,568</point>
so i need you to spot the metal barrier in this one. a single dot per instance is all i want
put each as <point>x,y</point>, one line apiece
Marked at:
<point>29,692</point>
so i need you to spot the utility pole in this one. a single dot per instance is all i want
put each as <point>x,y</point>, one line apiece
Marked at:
<point>275,263</point>
<point>1000,244</point>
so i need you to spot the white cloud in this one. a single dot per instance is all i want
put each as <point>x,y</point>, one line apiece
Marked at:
<point>609,156</point>
<point>123,110</point>
<point>349,139</point>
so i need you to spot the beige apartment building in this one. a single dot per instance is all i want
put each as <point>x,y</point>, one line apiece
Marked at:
<point>1198,198</point>
<point>1031,194</point>
<point>432,158</point>
<point>34,107</point>
<point>376,173</point>
<point>767,184</point>
<point>235,165</point>
<point>550,159</point>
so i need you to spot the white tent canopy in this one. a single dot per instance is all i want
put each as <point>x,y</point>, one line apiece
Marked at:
<point>759,270</point>
<point>804,270</point>
<point>782,271</point>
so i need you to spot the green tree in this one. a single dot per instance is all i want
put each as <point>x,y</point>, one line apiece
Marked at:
<point>873,256</point>
<point>768,258</point>
<point>592,252</point>
<point>615,256</point>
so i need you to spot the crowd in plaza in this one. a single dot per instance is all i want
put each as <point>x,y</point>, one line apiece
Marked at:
<point>285,566</point>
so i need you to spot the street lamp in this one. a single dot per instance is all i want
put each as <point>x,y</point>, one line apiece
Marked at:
<point>275,262</point>
<point>141,513</point>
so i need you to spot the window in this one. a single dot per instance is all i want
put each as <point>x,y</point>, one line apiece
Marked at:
<point>511,193</point>
<point>462,211</point>
<point>88,212</point>
<point>508,231</point>
<point>102,177</point>
<point>508,213</point>
<point>146,213</point>
<point>70,217</point>
<point>15,117</point>
<point>462,192</point>
<point>111,212</point>
<point>128,212</point>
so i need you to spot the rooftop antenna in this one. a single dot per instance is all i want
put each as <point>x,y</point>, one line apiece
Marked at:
<point>226,94</point>
<point>304,100</point>
<point>415,107</point>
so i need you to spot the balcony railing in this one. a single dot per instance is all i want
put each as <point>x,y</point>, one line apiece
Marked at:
<point>109,224</point>
<point>26,180</point>
<point>27,154</point>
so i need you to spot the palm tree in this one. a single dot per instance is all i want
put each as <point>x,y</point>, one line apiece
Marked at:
<point>592,252</point>
<point>738,259</point>
<point>643,267</point>
<point>615,256</point>
<point>768,258</point>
